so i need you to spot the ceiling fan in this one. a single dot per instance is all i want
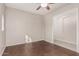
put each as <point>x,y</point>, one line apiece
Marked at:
<point>44,5</point>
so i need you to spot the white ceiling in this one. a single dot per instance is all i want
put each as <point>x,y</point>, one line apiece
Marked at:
<point>31,7</point>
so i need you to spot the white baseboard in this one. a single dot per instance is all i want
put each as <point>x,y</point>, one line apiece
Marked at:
<point>50,41</point>
<point>23,43</point>
<point>66,45</point>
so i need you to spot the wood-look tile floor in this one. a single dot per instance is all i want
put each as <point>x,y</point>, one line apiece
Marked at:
<point>41,48</point>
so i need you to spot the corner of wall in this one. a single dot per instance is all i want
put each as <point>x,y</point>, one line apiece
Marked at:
<point>2,50</point>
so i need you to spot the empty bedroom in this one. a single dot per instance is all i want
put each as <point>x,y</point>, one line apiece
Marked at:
<point>39,29</point>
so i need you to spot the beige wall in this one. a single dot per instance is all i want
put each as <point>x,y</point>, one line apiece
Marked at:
<point>59,31</point>
<point>19,24</point>
<point>2,33</point>
<point>48,27</point>
<point>65,29</point>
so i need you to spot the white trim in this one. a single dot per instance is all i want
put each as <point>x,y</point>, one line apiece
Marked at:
<point>66,45</point>
<point>49,41</point>
<point>2,51</point>
<point>77,30</point>
<point>23,43</point>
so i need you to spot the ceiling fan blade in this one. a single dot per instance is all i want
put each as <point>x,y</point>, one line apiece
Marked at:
<point>38,8</point>
<point>47,7</point>
<point>51,3</point>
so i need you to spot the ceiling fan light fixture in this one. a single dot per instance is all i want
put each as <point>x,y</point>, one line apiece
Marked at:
<point>43,4</point>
